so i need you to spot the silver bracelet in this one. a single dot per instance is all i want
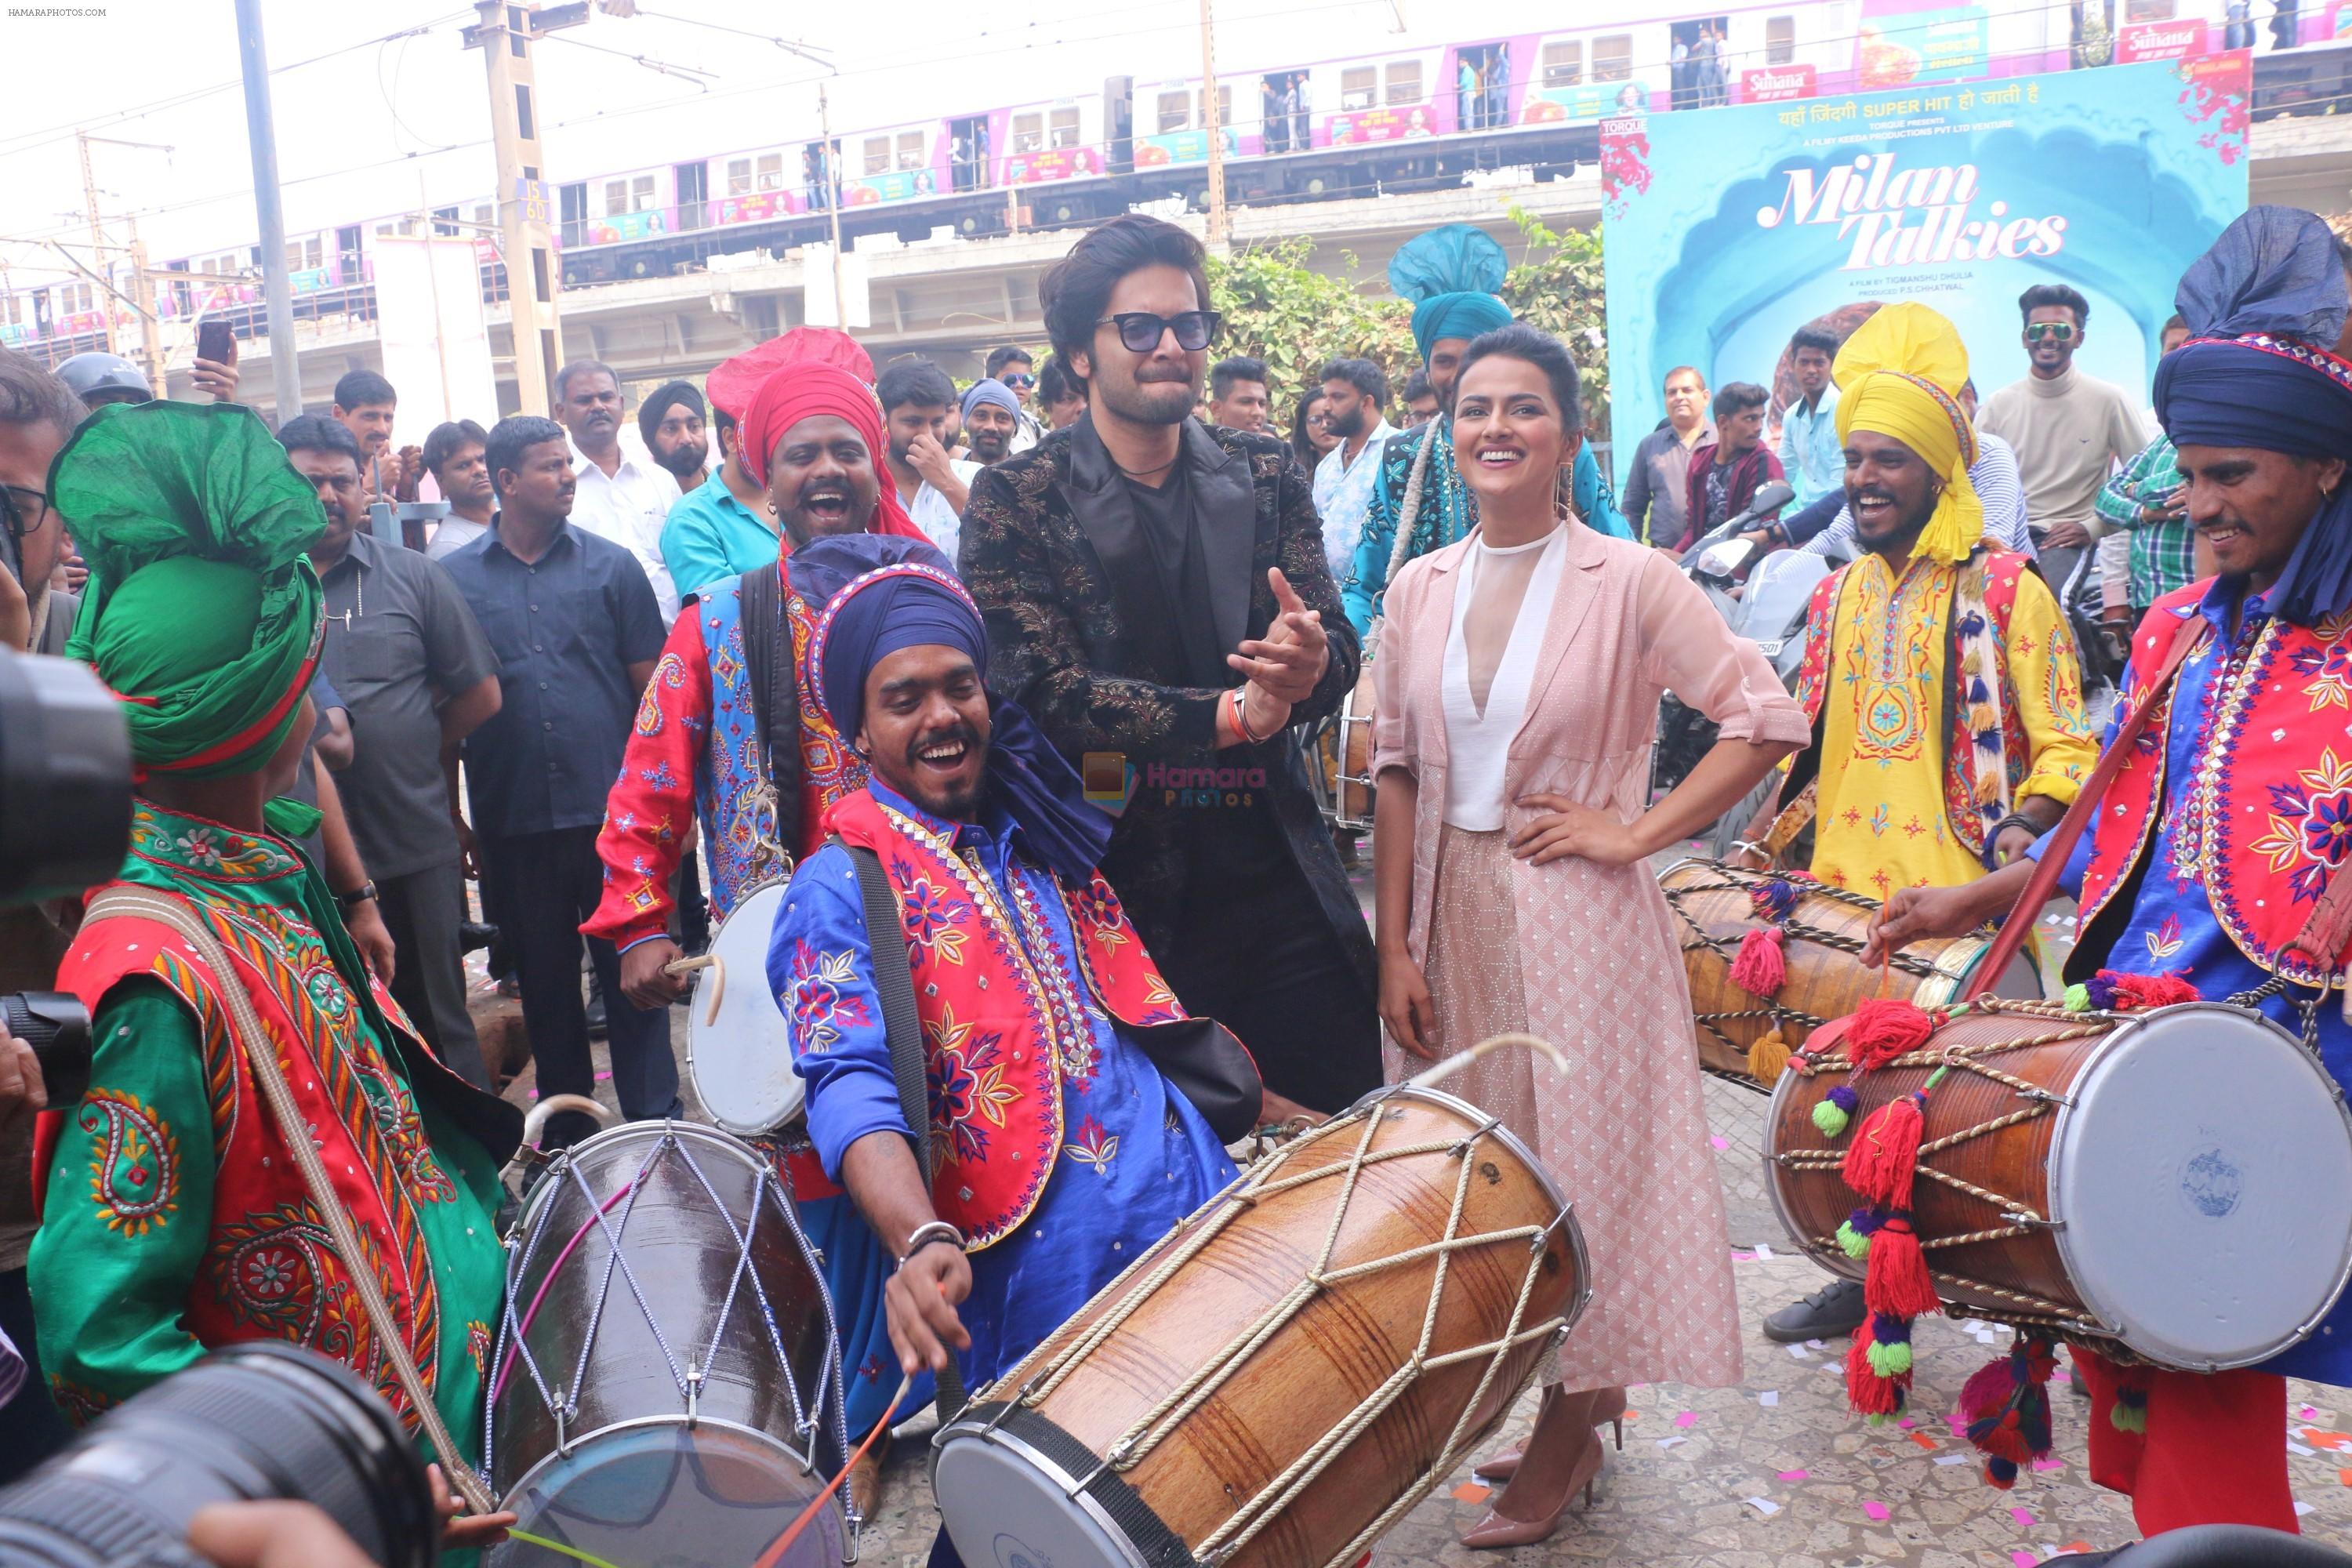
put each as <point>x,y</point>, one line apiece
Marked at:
<point>937,1230</point>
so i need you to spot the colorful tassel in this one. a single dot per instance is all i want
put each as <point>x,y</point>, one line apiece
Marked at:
<point>2100,991</point>
<point>1890,1345</point>
<point>2129,1412</point>
<point>2139,992</point>
<point>1773,900</point>
<point>1768,1058</point>
<point>1870,1394</point>
<point>1884,1029</point>
<point>1855,1244</point>
<point>1987,1390</point>
<point>1885,1158</point>
<point>1999,1473</point>
<point>1897,1282</point>
<point>1971,625</point>
<point>2006,1409</point>
<point>2077,999</point>
<point>1761,965</point>
<point>1836,1112</point>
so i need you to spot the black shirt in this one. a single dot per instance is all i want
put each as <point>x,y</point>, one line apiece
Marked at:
<point>565,629</point>
<point>1165,515</point>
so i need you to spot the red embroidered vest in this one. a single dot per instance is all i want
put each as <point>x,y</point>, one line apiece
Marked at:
<point>270,1269</point>
<point>2269,810</point>
<point>1001,1022</point>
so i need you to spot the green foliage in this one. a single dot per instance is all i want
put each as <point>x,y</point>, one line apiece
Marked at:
<point>1281,311</point>
<point>1559,288</point>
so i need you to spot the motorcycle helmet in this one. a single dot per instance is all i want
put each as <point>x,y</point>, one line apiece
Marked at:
<point>103,378</point>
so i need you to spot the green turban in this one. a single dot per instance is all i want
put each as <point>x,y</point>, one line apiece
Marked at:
<point>1450,274</point>
<point>202,614</point>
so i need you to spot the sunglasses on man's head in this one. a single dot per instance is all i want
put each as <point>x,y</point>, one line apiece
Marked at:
<point>1020,379</point>
<point>1140,330</point>
<point>2063,330</point>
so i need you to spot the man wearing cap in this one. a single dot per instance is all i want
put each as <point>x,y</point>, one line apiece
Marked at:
<point>1939,678</point>
<point>1450,274</point>
<point>992,419</point>
<point>1059,1150</point>
<point>2259,407</point>
<point>177,1216</point>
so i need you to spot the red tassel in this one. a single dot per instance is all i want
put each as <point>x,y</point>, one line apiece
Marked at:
<point>1986,1391</point>
<point>1762,966</point>
<point>2006,1440</point>
<point>2138,992</point>
<point>1869,1394</point>
<point>1885,1028</point>
<point>1884,1156</point>
<point>1898,1283</point>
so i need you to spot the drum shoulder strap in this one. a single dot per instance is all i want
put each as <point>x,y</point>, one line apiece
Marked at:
<point>894,984</point>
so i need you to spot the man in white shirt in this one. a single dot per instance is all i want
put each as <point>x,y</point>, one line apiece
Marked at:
<point>1357,391</point>
<point>917,399</point>
<point>620,497</point>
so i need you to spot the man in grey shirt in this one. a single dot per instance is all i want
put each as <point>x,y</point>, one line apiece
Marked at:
<point>417,676</point>
<point>1657,498</point>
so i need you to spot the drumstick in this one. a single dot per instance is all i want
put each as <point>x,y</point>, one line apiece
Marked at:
<point>718,985</point>
<point>1454,1064</point>
<point>528,1539</point>
<point>775,1555</point>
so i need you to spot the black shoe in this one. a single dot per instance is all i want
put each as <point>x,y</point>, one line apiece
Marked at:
<point>1835,1308</point>
<point>473,935</point>
<point>597,1026</point>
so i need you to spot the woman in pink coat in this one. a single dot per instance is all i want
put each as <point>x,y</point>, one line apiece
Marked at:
<point>1519,679</point>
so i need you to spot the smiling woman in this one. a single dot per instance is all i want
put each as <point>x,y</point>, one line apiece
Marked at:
<point>1518,686</point>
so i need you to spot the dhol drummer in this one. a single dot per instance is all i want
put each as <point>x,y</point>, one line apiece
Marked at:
<point>1060,1150</point>
<point>177,1218</point>
<point>1941,682</point>
<point>2217,853</point>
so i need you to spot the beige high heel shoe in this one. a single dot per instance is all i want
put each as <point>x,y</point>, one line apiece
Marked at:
<point>1506,1465</point>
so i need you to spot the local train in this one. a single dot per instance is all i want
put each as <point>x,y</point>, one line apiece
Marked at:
<point>1413,117</point>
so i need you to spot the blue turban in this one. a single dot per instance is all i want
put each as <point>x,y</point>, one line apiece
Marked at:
<point>990,390</point>
<point>2275,270</point>
<point>911,602</point>
<point>1450,274</point>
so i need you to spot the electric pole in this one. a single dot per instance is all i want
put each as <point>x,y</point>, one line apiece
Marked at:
<point>285,364</point>
<point>96,234</point>
<point>832,159</point>
<point>142,299</point>
<point>1213,122</point>
<point>505,35</point>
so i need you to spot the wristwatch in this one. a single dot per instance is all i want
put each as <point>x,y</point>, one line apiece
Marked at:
<point>356,897</point>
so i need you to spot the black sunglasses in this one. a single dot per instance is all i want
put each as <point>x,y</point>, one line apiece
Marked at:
<point>1140,330</point>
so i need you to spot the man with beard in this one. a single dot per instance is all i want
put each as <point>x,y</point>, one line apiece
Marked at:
<point>453,456</point>
<point>1130,571</point>
<point>931,485</point>
<point>991,417</point>
<point>671,420</point>
<point>1354,393</point>
<point>1948,729</point>
<point>618,498</point>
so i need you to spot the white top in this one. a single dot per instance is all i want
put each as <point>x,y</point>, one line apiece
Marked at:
<point>629,508</point>
<point>1476,743</point>
<point>941,522</point>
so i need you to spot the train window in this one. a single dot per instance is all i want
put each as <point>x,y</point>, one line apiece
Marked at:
<point>1404,82</point>
<point>878,154</point>
<point>304,254</point>
<point>72,298</point>
<point>1779,40</point>
<point>1563,63</point>
<point>1175,111</point>
<point>771,170</point>
<point>1065,127</point>
<point>1359,86</point>
<point>739,177</point>
<point>1224,107</point>
<point>12,314</point>
<point>445,222</point>
<point>1612,57</point>
<point>1028,133</point>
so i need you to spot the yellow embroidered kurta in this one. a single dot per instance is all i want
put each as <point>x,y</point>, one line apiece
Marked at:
<point>1897,777</point>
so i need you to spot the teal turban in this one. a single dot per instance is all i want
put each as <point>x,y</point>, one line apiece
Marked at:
<point>1450,274</point>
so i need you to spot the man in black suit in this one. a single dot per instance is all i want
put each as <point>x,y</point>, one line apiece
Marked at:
<point>1156,594</point>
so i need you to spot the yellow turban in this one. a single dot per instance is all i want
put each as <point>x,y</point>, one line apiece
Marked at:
<point>1899,375</point>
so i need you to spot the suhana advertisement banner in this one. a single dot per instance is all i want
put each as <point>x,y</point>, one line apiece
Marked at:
<point>1725,231</point>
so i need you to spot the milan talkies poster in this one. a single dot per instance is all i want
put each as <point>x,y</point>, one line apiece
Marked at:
<point>1726,231</point>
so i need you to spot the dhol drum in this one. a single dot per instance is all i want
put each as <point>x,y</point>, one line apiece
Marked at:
<point>2176,1182</point>
<point>1292,1368</point>
<point>1716,905</point>
<point>1341,766</point>
<point>738,1056</point>
<point>666,1383</point>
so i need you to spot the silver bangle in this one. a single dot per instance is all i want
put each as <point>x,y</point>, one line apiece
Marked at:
<point>937,1230</point>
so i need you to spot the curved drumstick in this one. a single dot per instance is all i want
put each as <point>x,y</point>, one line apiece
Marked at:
<point>1430,1076</point>
<point>717,982</point>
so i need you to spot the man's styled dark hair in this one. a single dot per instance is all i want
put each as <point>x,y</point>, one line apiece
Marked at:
<point>1808,337</point>
<point>915,381</point>
<point>447,441</point>
<point>1541,350</point>
<point>998,358</point>
<point>1076,290</point>
<point>1739,397</point>
<point>1417,386</point>
<point>582,367</point>
<point>31,395</point>
<point>362,389</point>
<point>509,439</point>
<point>2041,295</point>
<point>319,433</point>
<point>1363,375</point>
<point>1054,382</point>
<point>1236,367</point>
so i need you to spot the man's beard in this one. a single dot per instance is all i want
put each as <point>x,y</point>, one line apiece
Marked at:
<point>1159,400</point>
<point>1348,425</point>
<point>991,445</point>
<point>957,803</point>
<point>1905,534</point>
<point>686,457</point>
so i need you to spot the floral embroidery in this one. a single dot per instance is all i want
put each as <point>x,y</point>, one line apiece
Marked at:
<point>1093,1147</point>
<point>930,913</point>
<point>207,848</point>
<point>2310,825</point>
<point>968,1087</point>
<point>1099,908</point>
<point>2166,939</point>
<point>815,999</point>
<point>134,1166</point>
<point>477,1345</point>
<point>2329,664</point>
<point>659,776</point>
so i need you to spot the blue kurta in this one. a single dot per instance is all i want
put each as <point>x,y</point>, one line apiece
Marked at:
<point>1137,1156</point>
<point>2171,927</point>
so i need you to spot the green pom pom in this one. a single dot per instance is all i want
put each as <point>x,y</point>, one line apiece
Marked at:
<point>1830,1120</point>
<point>1877,1420</point>
<point>1855,1244</point>
<point>2078,999</point>
<point>2126,1417</point>
<point>1890,1360</point>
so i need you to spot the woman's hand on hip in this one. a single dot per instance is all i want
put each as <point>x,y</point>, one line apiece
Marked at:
<point>1405,1005</point>
<point>1568,827</point>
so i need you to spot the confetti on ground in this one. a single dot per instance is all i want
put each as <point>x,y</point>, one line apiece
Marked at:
<point>1719,1141</point>
<point>1768,1398</point>
<point>1877,1511</point>
<point>2022,1559</point>
<point>1687,1418</point>
<point>1951,1459</point>
<point>1925,1441</point>
<point>2024,1520</point>
<point>2301,1508</point>
<point>2298,1450</point>
<point>1906,1424</point>
<point>1470,1491</point>
<point>605,1077</point>
<point>2319,1439</point>
<point>1812,1344</point>
<point>1671,1442</point>
<point>2344,1475</point>
<point>1796,1475</point>
<point>1764,1505</point>
<point>1800,1352</point>
<point>2308,1413</point>
<point>1762,1250</point>
<point>2049,1464</point>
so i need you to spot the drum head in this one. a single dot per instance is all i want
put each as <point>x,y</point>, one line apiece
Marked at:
<point>708,1497</point>
<point>2204,1178</point>
<point>742,1059</point>
<point>1006,1506</point>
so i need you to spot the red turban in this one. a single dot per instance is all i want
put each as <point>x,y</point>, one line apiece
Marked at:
<point>735,381</point>
<point>798,391</point>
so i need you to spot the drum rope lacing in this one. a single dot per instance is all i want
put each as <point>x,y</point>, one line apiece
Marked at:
<point>827,1402</point>
<point>1179,1403</point>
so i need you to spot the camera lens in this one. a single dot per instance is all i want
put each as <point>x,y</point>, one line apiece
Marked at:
<point>65,779</point>
<point>252,1422</point>
<point>58,1028</point>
